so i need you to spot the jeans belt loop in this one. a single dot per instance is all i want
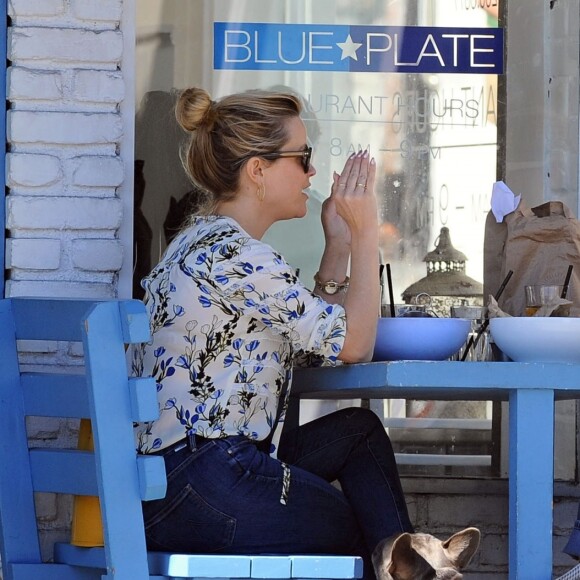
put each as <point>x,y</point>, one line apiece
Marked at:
<point>191,442</point>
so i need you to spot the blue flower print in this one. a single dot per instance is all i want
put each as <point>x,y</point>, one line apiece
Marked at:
<point>252,346</point>
<point>229,319</point>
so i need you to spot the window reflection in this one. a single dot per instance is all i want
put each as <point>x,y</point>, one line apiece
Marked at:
<point>434,137</point>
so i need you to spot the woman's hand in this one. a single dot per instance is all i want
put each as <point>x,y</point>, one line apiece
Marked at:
<point>336,230</point>
<point>354,197</point>
<point>353,194</point>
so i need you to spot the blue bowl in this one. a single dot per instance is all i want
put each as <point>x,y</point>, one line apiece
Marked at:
<point>538,338</point>
<point>419,338</point>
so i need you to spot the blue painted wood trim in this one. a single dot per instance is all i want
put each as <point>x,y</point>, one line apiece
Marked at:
<point>436,380</point>
<point>531,474</point>
<point>3,54</point>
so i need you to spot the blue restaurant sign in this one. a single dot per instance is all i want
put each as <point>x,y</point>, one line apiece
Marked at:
<point>342,48</point>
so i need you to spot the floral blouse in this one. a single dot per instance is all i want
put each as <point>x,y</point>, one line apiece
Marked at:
<point>229,319</point>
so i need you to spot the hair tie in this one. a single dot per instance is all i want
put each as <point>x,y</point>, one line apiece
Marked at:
<point>210,115</point>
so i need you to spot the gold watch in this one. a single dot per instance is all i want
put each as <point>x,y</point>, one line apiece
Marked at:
<point>330,287</point>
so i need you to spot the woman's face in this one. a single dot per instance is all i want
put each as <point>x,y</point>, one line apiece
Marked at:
<point>285,179</point>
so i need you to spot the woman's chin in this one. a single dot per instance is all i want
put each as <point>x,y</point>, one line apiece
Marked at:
<point>302,213</point>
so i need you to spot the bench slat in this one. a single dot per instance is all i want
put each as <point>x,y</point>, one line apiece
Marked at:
<point>52,469</point>
<point>55,395</point>
<point>52,572</point>
<point>47,319</point>
<point>326,567</point>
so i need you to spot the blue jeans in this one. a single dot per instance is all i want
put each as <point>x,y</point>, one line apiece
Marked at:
<point>227,495</point>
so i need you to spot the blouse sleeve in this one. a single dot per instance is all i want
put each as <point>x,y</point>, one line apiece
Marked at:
<point>261,284</point>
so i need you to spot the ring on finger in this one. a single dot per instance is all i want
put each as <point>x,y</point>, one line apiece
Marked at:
<point>342,185</point>
<point>361,185</point>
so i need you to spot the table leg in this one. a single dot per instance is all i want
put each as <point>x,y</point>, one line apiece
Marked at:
<point>531,483</point>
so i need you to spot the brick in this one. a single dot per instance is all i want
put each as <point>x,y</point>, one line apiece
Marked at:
<point>32,170</point>
<point>37,346</point>
<point>103,10</point>
<point>33,254</point>
<point>42,428</point>
<point>34,84</point>
<point>35,8</point>
<point>64,128</point>
<point>565,514</point>
<point>63,213</point>
<point>490,512</point>
<point>494,549</point>
<point>98,86</point>
<point>75,349</point>
<point>59,289</point>
<point>66,45</point>
<point>97,255</point>
<point>46,506</point>
<point>97,171</point>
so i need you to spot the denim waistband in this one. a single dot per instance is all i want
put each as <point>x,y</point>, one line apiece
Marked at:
<point>195,442</point>
<point>191,442</point>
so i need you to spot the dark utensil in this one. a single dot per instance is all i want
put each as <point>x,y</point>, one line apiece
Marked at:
<point>567,281</point>
<point>390,285</point>
<point>473,342</point>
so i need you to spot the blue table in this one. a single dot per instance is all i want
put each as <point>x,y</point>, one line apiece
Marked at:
<point>530,388</point>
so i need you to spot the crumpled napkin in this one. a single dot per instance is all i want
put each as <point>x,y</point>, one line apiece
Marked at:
<point>557,307</point>
<point>503,201</point>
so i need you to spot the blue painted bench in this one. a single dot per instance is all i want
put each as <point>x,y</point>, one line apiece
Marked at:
<point>104,394</point>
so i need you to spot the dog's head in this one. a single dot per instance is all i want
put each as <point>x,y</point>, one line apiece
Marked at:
<point>424,557</point>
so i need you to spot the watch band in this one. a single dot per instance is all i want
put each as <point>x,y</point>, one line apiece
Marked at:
<point>330,287</point>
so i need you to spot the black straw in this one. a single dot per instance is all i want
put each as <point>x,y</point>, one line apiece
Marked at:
<point>390,284</point>
<point>567,281</point>
<point>471,342</point>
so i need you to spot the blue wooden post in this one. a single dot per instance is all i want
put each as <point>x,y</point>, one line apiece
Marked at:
<point>531,474</point>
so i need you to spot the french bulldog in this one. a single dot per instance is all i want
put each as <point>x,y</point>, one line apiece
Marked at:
<point>424,557</point>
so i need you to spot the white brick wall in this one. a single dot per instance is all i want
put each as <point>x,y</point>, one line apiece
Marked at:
<point>70,195</point>
<point>66,166</point>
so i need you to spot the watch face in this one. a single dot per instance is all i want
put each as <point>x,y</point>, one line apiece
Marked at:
<point>330,288</point>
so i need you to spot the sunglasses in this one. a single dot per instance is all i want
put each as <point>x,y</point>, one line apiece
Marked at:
<point>305,155</point>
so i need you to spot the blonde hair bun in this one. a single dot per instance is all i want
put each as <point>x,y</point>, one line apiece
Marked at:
<point>194,108</point>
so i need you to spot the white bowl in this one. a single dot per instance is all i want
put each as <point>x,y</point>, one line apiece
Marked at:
<point>537,338</point>
<point>419,338</point>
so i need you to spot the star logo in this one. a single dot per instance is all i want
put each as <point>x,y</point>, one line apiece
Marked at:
<point>349,48</point>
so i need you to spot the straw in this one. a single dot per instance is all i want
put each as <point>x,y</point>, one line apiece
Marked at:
<point>471,342</point>
<point>567,281</point>
<point>390,284</point>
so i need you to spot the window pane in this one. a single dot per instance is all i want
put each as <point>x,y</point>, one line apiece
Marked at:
<point>433,134</point>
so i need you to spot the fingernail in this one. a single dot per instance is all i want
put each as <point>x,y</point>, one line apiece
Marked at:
<point>365,154</point>
<point>373,161</point>
<point>352,155</point>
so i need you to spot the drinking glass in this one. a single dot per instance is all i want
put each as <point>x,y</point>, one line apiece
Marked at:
<point>540,295</point>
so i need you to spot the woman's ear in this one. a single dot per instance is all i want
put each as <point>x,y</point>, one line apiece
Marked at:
<point>253,169</point>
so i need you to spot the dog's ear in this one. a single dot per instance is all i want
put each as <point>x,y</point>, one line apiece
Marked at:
<point>461,547</point>
<point>407,563</point>
<point>382,556</point>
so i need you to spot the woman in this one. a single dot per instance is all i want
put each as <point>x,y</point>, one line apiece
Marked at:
<point>230,318</point>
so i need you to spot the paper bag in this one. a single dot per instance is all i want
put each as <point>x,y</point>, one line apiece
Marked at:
<point>538,244</point>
